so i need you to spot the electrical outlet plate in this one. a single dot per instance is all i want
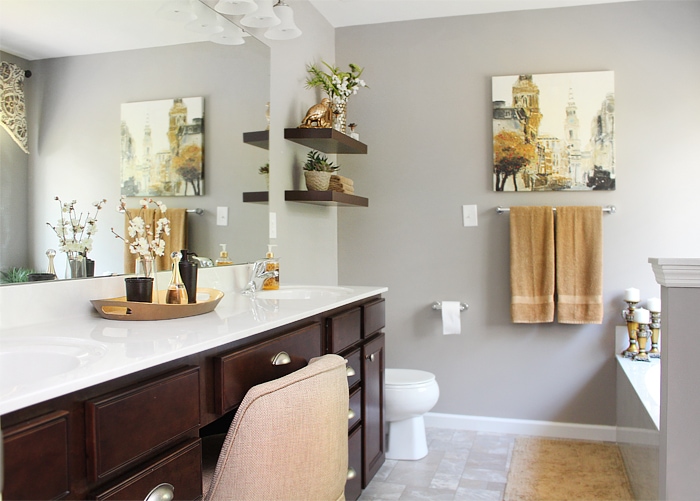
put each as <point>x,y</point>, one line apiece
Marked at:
<point>469,215</point>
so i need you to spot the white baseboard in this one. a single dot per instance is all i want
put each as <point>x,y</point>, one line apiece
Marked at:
<point>522,427</point>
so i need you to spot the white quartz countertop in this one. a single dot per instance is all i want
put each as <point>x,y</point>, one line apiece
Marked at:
<point>76,352</point>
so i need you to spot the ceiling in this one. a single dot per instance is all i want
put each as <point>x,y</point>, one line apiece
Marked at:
<point>40,29</point>
<point>341,13</point>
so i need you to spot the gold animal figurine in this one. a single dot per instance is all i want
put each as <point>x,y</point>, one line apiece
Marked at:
<point>320,114</point>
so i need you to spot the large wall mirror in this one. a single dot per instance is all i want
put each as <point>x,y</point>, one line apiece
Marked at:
<point>73,111</point>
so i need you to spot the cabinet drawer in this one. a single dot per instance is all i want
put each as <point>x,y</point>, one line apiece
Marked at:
<point>36,458</point>
<point>355,408</point>
<point>181,468</point>
<point>237,372</point>
<point>373,317</point>
<point>353,486</point>
<point>344,330</point>
<point>354,366</point>
<point>126,426</point>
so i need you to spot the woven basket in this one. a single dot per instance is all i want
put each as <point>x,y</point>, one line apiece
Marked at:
<point>317,180</point>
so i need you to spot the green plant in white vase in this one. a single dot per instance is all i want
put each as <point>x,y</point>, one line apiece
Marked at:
<point>318,170</point>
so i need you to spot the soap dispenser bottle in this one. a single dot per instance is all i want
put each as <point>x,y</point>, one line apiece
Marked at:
<point>223,258</point>
<point>271,264</point>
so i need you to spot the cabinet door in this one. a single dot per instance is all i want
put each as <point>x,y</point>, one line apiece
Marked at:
<point>372,408</point>
<point>125,427</point>
<point>353,486</point>
<point>36,458</point>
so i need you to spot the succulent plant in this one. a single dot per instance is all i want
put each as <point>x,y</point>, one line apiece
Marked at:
<point>15,275</point>
<point>316,161</point>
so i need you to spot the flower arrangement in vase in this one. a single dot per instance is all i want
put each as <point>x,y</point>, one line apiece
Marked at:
<point>75,235</point>
<point>318,170</point>
<point>145,239</point>
<point>339,85</point>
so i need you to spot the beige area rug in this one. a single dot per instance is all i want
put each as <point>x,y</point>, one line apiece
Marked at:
<point>544,469</point>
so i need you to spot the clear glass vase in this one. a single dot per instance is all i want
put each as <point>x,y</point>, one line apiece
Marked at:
<point>75,265</point>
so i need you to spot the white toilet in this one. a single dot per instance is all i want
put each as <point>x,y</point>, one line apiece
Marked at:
<point>408,394</point>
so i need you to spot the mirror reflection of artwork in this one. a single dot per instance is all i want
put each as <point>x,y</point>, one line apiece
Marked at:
<point>554,132</point>
<point>161,147</point>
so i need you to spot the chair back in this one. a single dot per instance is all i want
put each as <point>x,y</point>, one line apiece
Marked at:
<point>288,439</point>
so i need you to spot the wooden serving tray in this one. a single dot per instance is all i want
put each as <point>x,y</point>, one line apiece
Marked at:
<point>119,308</point>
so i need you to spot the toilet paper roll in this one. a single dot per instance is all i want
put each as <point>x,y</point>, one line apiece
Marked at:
<point>451,323</point>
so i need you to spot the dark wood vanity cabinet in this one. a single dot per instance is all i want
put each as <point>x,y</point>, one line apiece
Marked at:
<point>121,439</point>
<point>357,335</point>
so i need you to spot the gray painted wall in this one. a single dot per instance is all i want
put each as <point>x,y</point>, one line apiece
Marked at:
<point>427,121</point>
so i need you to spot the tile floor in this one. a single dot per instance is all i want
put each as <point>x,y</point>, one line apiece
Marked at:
<point>461,465</point>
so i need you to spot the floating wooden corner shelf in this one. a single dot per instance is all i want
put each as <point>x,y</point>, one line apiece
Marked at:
<point>326,140</point>
<point>260,197</point>
<point>326,198</point>
<point>260,138</point>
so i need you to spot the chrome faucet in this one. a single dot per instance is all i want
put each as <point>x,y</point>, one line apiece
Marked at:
<point>257,276</point>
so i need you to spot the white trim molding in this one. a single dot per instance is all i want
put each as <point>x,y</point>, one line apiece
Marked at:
<point>522,427</point>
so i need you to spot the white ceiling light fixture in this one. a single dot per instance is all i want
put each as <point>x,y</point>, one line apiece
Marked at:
<point>177,10</point>
<point>207,21</point>
<point>263,17</point>
<point>286,30</point>
<point>232,35</point>
<point>236,7</point>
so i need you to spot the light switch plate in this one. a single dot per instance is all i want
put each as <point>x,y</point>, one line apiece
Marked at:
<point>469,215</point>
<point>222,216</point>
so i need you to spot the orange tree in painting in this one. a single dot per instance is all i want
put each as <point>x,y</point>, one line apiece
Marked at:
<point>510,154</point>
<point>188,164</point>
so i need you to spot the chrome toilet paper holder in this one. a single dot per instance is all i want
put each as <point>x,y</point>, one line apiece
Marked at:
<point>437,305</point>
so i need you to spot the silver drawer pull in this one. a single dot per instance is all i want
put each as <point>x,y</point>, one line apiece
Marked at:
<point>351,414</point>
<point>282,358</point>
<point>351,473</point>
<point>350,371</point>
<point>162,492</point>
<point>370,357</point>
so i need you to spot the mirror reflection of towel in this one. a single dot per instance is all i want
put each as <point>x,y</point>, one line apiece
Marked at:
<point>532,264</point>
<point>176,241</point>
<point>579,250</point>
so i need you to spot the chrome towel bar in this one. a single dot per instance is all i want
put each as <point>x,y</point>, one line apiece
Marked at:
<point>608,209</point>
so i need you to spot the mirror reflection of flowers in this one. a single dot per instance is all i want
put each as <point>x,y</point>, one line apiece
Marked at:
<point>144,239</point>
<point>74,231</point>
<point>339,85</point>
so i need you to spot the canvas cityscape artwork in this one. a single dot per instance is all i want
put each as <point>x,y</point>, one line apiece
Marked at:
<point>161,147</point>
<point>554,132</point>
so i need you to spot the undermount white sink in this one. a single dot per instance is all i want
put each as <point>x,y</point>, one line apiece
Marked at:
<point>305,292</point>
<point>28,361</point>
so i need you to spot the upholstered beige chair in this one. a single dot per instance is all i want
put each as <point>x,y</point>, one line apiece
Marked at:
<point>288,440</point>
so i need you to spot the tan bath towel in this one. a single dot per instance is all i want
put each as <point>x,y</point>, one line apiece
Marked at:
<point>532,264</point>
<point>176,241</point>
<point>579,244</point>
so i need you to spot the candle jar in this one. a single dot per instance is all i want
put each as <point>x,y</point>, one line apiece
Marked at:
<point>628,315</point>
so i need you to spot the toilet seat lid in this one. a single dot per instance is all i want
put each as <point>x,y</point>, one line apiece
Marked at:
<point>402,377</point>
